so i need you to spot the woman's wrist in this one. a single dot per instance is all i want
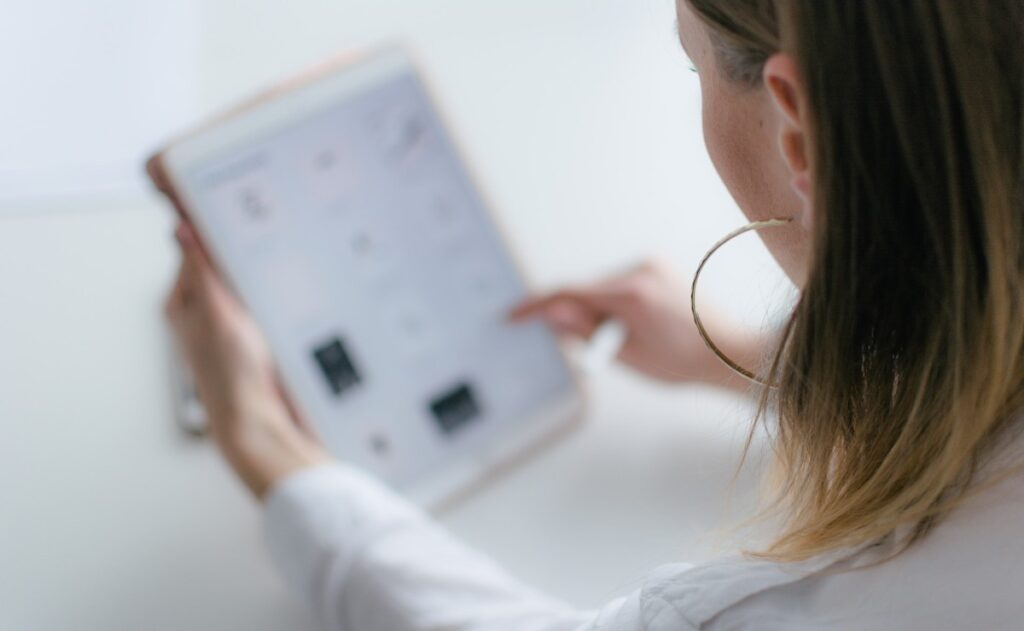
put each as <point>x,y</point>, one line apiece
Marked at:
<point>267,447</point>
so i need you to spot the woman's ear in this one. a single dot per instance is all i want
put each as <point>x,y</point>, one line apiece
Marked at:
<point>784,86</point>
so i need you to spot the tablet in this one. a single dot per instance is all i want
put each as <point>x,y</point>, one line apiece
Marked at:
<point>341,214</point>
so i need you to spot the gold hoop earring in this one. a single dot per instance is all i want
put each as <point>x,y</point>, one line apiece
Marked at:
<point>757,225</point>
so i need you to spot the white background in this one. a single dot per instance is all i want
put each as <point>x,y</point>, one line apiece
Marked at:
<point>87,85</point>
<point>583,120</point>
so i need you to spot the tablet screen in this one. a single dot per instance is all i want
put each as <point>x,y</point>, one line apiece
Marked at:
<point>368,257</point>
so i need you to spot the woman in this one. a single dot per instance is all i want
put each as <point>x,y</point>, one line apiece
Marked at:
<point>888,135</point>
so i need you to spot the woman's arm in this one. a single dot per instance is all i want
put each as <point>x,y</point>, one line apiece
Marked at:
<point>363,558</point>
<point>663,343</point>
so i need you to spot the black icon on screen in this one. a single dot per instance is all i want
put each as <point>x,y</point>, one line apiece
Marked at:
<point>455,408</point>
<point>337,366</point>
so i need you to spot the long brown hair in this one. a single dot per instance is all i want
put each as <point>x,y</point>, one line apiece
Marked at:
<point>902,367</point>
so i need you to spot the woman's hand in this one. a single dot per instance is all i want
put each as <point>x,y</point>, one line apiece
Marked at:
<point>654,305</point>
<point>248,416</point>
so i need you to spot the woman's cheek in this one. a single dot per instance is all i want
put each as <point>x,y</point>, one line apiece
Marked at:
<point>743,150</point>
<point>724,143</point>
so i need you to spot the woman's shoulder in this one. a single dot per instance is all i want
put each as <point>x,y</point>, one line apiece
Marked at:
<point>968,571</point>
<point>685,596</point>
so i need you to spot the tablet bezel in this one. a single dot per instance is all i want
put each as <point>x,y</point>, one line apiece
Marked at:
<point>310,93</point>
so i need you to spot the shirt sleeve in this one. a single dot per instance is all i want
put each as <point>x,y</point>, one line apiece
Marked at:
<point>367,560</point>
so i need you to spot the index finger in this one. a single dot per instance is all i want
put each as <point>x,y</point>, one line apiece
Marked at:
<point>536,305</point>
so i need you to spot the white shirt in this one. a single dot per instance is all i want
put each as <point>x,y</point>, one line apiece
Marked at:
<point>366,560</point>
